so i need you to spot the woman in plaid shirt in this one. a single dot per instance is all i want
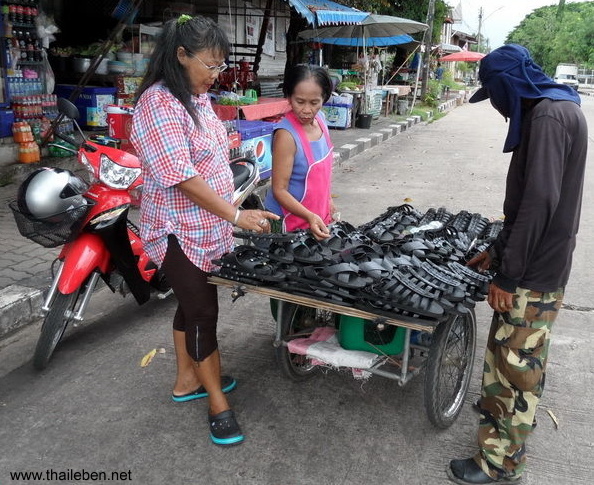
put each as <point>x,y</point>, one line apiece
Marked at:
<point>186,214</point>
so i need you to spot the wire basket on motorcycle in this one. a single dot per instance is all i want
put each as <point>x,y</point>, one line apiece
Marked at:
<point>56,231</point>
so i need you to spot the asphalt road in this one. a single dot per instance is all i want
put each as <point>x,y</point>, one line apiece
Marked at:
<point>96,410</point>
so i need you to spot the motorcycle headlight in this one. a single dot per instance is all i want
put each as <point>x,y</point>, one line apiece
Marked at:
<point>116,176</point>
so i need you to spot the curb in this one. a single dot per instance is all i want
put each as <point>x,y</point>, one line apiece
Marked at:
<point>374,138</point>
<point>21,305</point>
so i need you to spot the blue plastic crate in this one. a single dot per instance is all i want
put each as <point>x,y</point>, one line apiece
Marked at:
<point>338,115</point>
<point>256,143</point>
<point>252,129</point>
<point>91,103</point>
<point>6,121</point>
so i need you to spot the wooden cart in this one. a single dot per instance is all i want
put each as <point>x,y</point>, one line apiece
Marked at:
<point>447,358</point>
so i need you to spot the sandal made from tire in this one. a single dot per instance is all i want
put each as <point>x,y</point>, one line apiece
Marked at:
<point>308,284</point>
<point>342,238</point>
<point>478,283</point>
<point>361,253</point>
<point>251,262</point>
<point>305,249</point>
<point>401,293</point>
<point>345,275</point>
<point>388,213</point>
<point>452,290</point>
<point>376,269</point>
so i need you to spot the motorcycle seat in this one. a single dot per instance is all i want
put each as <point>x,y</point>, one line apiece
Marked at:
<point>241,173</point>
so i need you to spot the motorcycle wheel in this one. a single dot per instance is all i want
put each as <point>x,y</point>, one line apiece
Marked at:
<point>54,325</point>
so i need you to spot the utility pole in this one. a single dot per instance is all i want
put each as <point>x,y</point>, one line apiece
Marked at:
<point>427,38</point>
<point>479,29</point>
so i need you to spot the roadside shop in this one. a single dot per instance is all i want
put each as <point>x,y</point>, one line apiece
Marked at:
<point>99,65</point>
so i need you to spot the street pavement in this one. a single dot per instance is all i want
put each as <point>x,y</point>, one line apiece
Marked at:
<point>95,409</point>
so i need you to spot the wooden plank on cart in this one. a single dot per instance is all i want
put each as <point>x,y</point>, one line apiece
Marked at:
<point>423,324</point>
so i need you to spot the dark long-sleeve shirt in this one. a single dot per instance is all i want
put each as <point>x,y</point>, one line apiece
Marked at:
<point>543,199</point>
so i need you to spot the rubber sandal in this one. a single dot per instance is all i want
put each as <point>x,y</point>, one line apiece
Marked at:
<point>492,230</point>
<point>376,269</point>
<point>476,224</point>
<point>401,292</point>
<point>278,252</point>
<point>381,233</point>
<point>453,291</point>
<point>231,274</point>
<point>268,236</point>
<point>308,250</point>
<point>478,282</point>
<point>310,283</point>
<point>337,241</point>
<point>227,385</point>
<point>224,430</point>
<point>362,252</point>
<point>389,213</point>
<point>345,274</point>
<point>251,262</point>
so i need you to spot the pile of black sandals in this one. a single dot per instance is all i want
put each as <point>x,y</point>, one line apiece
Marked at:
<point>403,262</point>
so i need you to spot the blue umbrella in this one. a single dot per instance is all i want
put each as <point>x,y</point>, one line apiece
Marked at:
<point>367,42</point>
<point>373,30</point>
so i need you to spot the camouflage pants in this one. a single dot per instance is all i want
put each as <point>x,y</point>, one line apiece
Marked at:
<point>513,380</point>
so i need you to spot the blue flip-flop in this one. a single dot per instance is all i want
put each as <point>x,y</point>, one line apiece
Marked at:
<point>228,383</point>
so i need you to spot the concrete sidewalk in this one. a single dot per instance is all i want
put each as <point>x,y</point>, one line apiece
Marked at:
<point>25,267</point>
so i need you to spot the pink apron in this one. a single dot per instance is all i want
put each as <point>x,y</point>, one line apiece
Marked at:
<point>316,197</point>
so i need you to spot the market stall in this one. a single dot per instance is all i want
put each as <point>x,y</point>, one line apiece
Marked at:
<point>262,108</point>
<point>391,298</point>
<point>371,31</point>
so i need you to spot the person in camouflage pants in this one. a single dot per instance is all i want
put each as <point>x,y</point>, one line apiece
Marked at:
<point>513,379</point>
<point>530,260</point>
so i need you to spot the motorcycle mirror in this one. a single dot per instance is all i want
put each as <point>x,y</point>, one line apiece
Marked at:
<point>68,108</point>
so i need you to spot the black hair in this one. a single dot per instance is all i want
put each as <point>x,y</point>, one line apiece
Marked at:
<point>301,72</point>
<point>193,34</point>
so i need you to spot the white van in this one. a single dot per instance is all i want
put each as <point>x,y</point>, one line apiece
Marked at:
<point>567,74</point>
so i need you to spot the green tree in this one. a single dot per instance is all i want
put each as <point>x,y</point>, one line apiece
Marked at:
<point>408,9</point>
<point>558,33</point>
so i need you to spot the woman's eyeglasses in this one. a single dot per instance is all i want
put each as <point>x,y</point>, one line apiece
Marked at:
<point>216,69</point>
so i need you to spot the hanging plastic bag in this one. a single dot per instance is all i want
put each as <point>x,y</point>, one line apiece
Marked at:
<point>48,76</point>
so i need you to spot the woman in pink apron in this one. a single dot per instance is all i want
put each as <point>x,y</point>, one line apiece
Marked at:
<point>302,155</point>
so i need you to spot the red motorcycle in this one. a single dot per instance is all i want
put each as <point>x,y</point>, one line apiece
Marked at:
<point>55,207</point>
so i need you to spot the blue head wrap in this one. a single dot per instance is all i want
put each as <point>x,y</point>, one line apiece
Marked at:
<point>509,74</point>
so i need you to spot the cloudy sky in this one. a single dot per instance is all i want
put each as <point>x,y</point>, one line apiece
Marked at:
<point>500,17</point>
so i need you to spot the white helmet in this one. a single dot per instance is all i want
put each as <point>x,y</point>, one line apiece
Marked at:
<point>49,192</point>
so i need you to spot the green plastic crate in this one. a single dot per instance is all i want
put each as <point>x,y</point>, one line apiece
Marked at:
<point>358,334</point>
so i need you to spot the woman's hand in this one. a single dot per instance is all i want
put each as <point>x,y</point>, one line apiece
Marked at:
<point>318,229</point>
<point>255,220</point>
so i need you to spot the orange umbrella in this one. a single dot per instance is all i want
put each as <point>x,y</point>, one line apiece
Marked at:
<point>464,56</point>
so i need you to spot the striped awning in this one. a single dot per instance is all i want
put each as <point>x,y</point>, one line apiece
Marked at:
<point>326,12</point>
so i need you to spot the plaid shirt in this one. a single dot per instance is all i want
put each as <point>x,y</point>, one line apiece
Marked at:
<point>172,149</point>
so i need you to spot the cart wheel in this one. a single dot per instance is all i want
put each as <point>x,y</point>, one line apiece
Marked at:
<point>301,320</point>
<point>449,368</point>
